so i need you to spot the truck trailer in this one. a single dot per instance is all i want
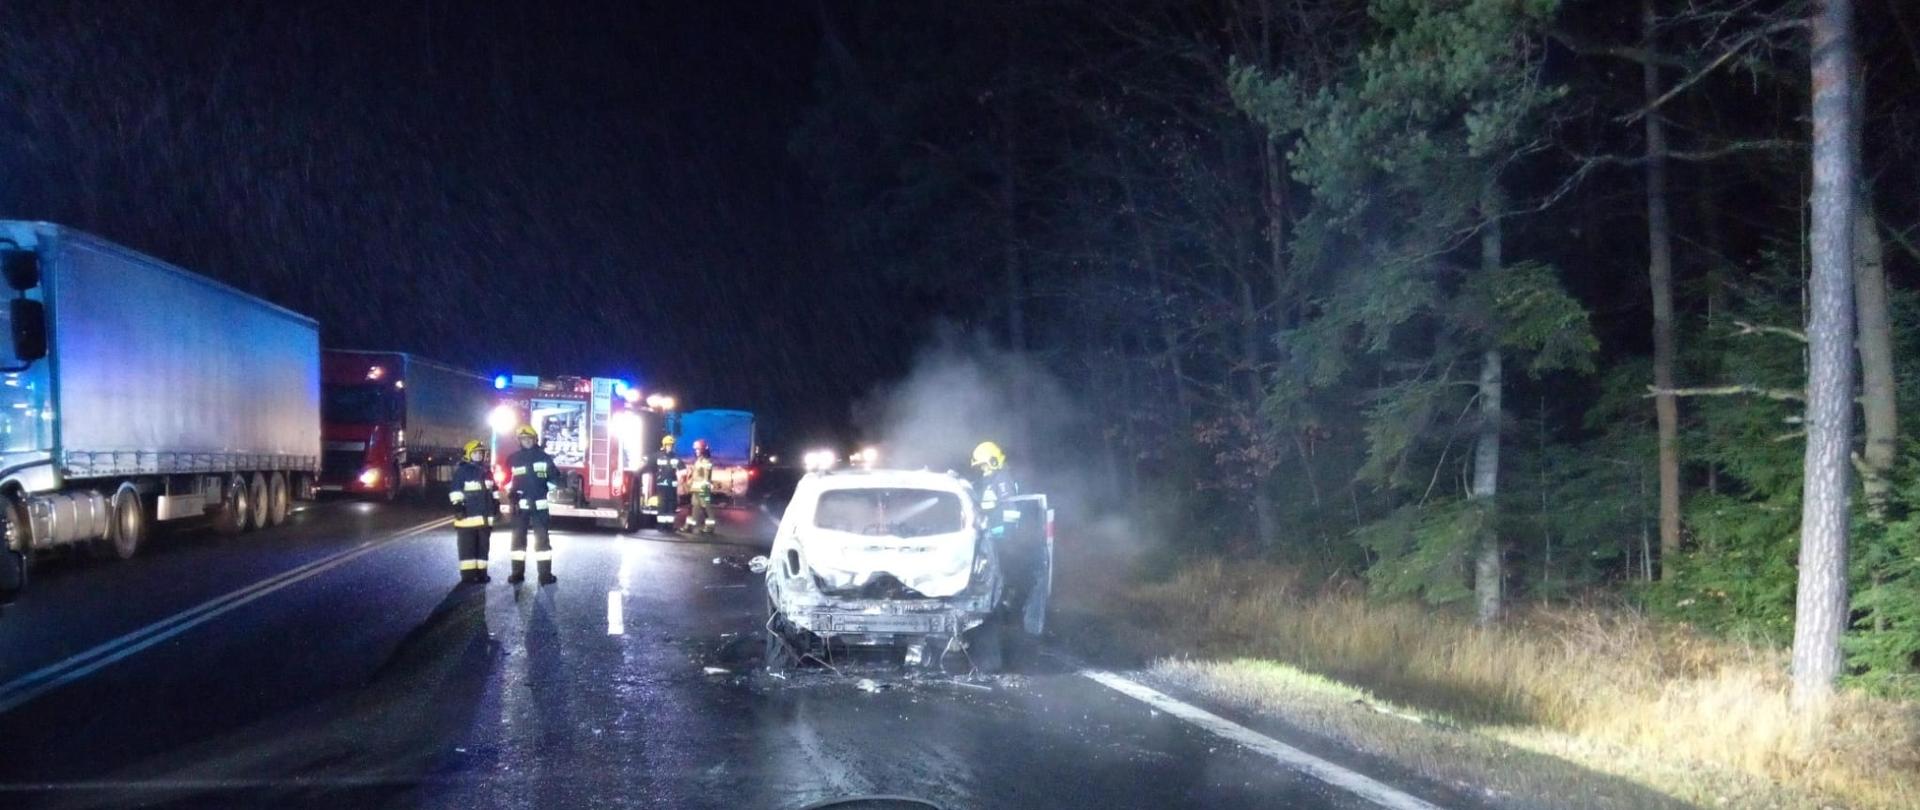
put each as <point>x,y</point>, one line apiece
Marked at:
<point>392,422</point>
<point>596,428</point>
<point>135,392</point>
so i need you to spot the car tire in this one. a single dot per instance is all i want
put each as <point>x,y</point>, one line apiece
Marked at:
<point>780,655</point>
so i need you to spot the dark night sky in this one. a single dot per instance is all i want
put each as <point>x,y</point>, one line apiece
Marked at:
<point>567,187</point>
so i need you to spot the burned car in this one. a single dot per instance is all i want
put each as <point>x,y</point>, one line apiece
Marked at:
<point>906,560</point>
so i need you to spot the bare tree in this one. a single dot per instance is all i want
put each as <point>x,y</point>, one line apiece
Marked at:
<point>1820,611</point>
<point>1660,278</point>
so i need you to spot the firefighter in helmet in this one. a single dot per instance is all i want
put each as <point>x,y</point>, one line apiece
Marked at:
<point>475,500</point>
<point>533,474</point>
<point>700,515</point>
<point>664,500</point>
<point>995,484</point>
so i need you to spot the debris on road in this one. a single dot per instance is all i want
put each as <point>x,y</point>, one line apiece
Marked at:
<point>871,685</point>
<point>717,671</point>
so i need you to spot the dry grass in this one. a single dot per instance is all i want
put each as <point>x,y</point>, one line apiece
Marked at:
<point>1605,687</point>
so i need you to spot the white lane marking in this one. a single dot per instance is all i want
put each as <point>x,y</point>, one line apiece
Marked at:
<point>25,688</point>
<point>616,614</point>
<point>1350,781</point>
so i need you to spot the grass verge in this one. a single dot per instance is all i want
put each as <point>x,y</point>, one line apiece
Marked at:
<point>1607,690</point>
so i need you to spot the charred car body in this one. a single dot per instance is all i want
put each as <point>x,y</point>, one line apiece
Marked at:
<point>906,559</point>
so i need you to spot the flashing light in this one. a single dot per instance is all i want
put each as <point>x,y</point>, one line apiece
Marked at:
<point>773,459</point>
<point>628,393</point>
<point>503,419</point>
<point>399,383</point>
<point>371,477</point>
<point>820,460</point>
<point>660,402</point>
<point>376,372</point>
<point>869,456</point>
<point>499,382</point>
<point>500,476</point>
<point>629,430</point>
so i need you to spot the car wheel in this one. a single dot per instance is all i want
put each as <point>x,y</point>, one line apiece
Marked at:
<point>780,653</point>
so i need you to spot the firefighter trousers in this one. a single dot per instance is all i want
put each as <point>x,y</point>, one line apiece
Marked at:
<point>476,543</point>
<point>535,520</point>
<point>701,516</point>
<point>667,511</point>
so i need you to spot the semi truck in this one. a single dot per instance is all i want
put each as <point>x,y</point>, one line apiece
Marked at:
<point>596,428</point>
<point>134,392</point>
<point>393,423</point>
<point>730,438</point>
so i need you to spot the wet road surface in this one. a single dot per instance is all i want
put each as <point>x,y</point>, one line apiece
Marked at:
<point>334,662</point>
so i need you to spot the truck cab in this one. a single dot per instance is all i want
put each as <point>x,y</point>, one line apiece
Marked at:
<point>392,422</point>
<point>596,428</point>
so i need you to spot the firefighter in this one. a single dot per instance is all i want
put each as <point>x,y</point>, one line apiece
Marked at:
<point>665,468</point>
<point>995,484</point>
<point>475,503</point>
<point>700,481</point>
<point>533,472</point>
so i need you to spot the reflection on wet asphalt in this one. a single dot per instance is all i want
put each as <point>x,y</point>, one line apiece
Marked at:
<point>631,683</point>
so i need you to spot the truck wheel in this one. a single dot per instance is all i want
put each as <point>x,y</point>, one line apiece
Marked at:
<point>279,499</point>
<point>257,501</point>
<point>632,519</point>
<point>234,506</point>
<point>128,530</point>
<point>18,533</point>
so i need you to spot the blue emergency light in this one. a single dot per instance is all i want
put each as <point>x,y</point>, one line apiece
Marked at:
<point>500,381</point>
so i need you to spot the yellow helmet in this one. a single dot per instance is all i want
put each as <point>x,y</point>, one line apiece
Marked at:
<point>666,442</point>
<point>471,447</point>
<point>527,432</point>
<point>988,457</point>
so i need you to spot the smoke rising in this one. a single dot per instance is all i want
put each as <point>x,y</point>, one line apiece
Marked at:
<point>962,391</point>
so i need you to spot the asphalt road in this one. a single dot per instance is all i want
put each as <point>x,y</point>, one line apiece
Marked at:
<point>334,662</point>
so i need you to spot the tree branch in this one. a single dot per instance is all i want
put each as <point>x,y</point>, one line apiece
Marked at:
<point>1763,329</point>
<point>1781,394</point>
<point>1726,56</point>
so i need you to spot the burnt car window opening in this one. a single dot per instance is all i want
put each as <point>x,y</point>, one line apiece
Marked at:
<point>896,512</point>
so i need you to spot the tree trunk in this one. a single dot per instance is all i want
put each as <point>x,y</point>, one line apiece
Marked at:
<point>1266,525</point>
<point>1820,608</point>
<point>1881,420</point>
<point>1660,276</point>
<point>1486,486</point>
<point>1486,451</point>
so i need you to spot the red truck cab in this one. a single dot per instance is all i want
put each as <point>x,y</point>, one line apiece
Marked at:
<point>393,423</point>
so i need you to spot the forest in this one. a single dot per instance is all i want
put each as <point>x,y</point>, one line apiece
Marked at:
<point>1482,303</point>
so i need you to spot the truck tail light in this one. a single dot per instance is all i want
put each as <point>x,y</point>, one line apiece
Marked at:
<point>500,477</point>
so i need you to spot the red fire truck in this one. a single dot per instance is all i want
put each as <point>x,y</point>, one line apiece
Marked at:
<point>596,428</point>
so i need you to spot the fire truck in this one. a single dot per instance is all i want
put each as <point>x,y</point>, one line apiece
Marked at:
<point>596,428</point>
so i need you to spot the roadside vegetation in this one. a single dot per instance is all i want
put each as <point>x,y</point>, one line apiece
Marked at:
<point>1601,686</point>
<point>1534,365</point>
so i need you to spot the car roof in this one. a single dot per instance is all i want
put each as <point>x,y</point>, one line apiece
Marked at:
<point>889,479</point>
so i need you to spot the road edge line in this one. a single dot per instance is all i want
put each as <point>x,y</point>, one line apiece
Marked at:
<point>1354,782</point>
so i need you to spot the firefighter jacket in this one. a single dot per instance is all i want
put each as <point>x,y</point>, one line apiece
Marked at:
<point>533,476</point>
<point>995,487</point>
<point>665,469</point>
<point>701,479</point>
<point>474,495</point>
